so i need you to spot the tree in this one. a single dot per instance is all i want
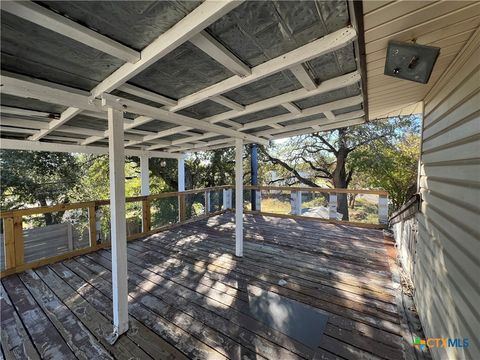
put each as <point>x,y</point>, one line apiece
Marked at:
<point>391,166</point>
<point>37,178</point>
<point>326,155</point>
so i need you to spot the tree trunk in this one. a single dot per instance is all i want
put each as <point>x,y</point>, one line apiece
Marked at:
<point>47,216</point>
<point>339,179</point>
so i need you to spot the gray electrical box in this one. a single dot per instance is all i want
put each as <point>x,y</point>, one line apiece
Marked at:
<point>410,61</point>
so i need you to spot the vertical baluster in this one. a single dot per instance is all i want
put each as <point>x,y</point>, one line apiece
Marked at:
<point>92,225</point>
<point>19,245</point>
<point>332,206</point>
<point>296,202</point>
<point>146,219</point>
<point>9,243</point>
<point>258,200</point>
<point>383,209</point>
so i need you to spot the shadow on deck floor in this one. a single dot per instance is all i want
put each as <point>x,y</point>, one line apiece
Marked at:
<point>189,296</point>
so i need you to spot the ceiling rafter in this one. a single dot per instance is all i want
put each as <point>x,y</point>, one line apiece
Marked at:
<point>99,150</point>
<point>40,15</point>
<point>201,17</point>
<point>324,45</point>
<point>213,48</point>
<point>244,75</point>
<point>326,86</point>
<point>303,77</point>
<point>173,118</point>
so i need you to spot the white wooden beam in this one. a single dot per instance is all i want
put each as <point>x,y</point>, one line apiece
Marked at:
<point>201,17</point>
<point>41,16</point>
<point>222,100</point>
<point>213,48</point>
<point>68,114</point>
<point>294,109</point>
<point>326,44</point>
<point>167,116</point>
<point>140,120</point>
<point>348,119</point>
<point>329,115</point>
<point>28,87</point>
<point>147,94</point>
<point>274,120</point>
<point>81,149</point>
<point>214,147</point>
<point>330,126</point>
<point>314,110</point>
<point>310,123</point>
<point>24,112</point>
<point>116,159</point>
<point>238,197</point>
<point>303,77</point>
<point>160,134</point>
<point>326,86</point>
<point>39,125</point>
<point>31,124</point>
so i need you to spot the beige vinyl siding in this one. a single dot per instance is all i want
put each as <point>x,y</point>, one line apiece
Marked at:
<point>444,24</point>
<point>447,260</point>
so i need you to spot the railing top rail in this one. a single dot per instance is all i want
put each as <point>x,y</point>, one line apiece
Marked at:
<point>80,205</point>
<point>86,204</point>
<point>322,190</point>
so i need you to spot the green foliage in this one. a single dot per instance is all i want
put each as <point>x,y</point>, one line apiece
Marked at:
<point>390,165</point>
<point>38,178</point>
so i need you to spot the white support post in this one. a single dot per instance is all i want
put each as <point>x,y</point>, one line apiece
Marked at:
<point>144,175</point>
<point>181,174</point>
<point>145,189</point>
<point>258,200</point>
<point>118,223</point>
<point>383,209</point>
<point>227,199</point>
<point>238,197</point>
<point>296,202</point>
<point>332,206</point>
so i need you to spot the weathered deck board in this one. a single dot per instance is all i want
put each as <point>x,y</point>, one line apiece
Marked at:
<point>14,338</point>
<point>188,296</point>
<point>47,340</point>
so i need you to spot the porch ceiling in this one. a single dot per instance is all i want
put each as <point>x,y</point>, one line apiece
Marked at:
<point>191,76</point>
<point>444,24</point>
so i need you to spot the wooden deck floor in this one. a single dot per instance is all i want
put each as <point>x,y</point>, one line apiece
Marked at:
<point>189,296</point>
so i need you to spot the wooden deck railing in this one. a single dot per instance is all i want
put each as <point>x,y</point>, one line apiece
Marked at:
<point>180,208</point>
<point>147,215</point>
<point>303,201</point>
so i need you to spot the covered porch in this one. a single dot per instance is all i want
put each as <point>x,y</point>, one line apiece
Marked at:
<point>190,297</point>
<point>233,280</point>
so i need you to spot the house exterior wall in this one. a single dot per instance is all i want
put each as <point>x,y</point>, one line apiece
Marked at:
<point>446,272</point>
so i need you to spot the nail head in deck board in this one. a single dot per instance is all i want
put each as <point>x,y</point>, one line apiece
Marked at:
<point>44,335</point>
